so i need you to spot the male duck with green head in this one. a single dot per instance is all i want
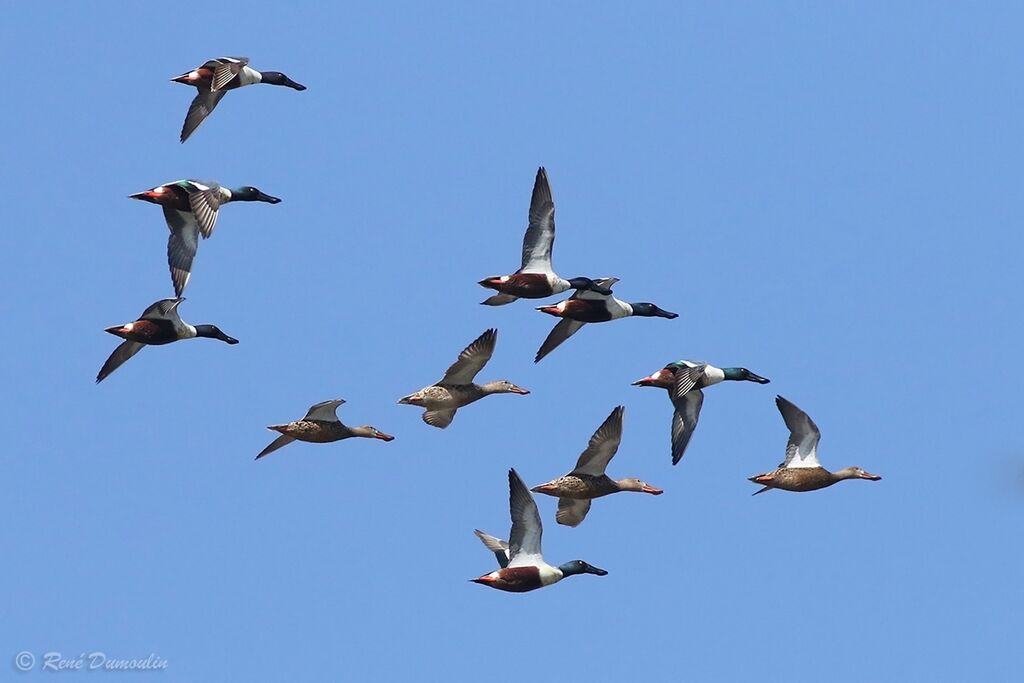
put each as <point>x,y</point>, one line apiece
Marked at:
<point>684,380</point>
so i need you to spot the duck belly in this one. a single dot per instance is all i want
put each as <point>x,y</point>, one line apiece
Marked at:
<point>802,479</point>
<point>312,431</point>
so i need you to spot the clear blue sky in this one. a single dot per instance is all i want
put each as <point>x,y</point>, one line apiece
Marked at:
<point>829,196</point>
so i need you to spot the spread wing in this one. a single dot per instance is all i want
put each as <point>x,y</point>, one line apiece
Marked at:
<point>122,353</point>
<point>225,69</point>
<point>571,511</point>
<point>565,328</point>
<point>524,539</point>
<point>603,445</point>
<point>325,411</point>
<point>439,418</point>
<point>605,282</point>
<point>684,422</point>
<point>165,309</point>
<point>802,447</point>
<point>205,101</point>
<point>495,545</point>
<point>540,234</point>
<point>205,205</point>
<point>181,246</point>
<point>472,359</point>
<point>280,441</point>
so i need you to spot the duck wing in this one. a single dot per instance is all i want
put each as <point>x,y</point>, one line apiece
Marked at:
<point>280,441</point>
<point>205,205</point>
<point>325,411</point>
<point>572,511</point>
<point>802,447</point>
<point>439,418</point>
<point>224,70</point>
<point>524,539</point>
<point>205,101</point>
<point>122,353</point>
<point>540,233</point>
<point>603,445</point>
<point>687,402</point>
<point>565,328</point>
<point>182,245</point>
<point>165,309</point>
<point>472,359</point>
<point>495,545</point>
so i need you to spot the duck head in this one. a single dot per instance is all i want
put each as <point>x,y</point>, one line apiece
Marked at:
<point>278,78</point>
<point>503,386</point>
<point>649,310</point>
<point>856,473</point>
<point>580,567</point>
<point>587,283</point>
<point>742,374</point>
<point>249,193</point>
<point>214,332</point>
<point>373,433</point>
<point>639,486</point>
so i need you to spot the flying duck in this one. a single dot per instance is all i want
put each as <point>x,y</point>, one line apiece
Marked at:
<point>214,78</point>
<point>589,306</point>
<point>684,380</point>
<point>158,324</point>
<point>456,388</point>
<point>576,489</point>
<point>191,208</point>
<point>320,425</point>
<point>535,278</point>
<point>526,569</point>
<point>801,470</point>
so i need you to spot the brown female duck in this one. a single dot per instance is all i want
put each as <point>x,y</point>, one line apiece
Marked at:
<point>456,388</point>
<point>320,425</point>
<point>576,489</point>
<point>801,470</point>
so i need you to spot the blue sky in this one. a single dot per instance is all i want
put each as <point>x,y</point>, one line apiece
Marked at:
<point>826,194</point>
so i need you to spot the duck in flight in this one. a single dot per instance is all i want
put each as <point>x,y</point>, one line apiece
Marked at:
<point>588,306</point>
<point>191,208</point>
<point>214,78</point>
<point>684,380</point>
<point>526,569</point>
<point>456,388</point>
<point>159,324</point>
<point>801,470</point>
<point>536,279</point>
<point>320,425</point>
<point>588,480</point>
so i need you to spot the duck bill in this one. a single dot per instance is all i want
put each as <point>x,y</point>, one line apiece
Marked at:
<point>591,569</point>
<point>654,491</point>
<point>519,390</point>
<point>758,378</point>
<point>870,477</point>
<point>384,437</point>
<point>264,197</point>
<point>661,313</point>
<point>292,84</point>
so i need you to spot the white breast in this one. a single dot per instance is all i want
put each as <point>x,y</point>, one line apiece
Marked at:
<point>619,309</point>
<point>713,375</point>
<point>248,76</point>
<point>550,575</point>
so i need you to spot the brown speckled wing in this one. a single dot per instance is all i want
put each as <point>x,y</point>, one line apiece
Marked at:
<point>472,359</point>
<point>439,418</point>
<point>571,511</point>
